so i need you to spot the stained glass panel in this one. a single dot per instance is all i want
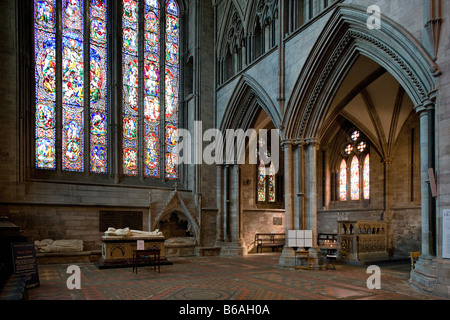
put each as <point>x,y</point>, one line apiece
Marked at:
<point>366,177</point>
<point>98,86</point>
<point>362,146</point>
<point>355,135</point>
<point>271,181</point>
<point>152,89</point>
<point>343,181</point>
<point>354,179</point>
<point>171,87</point>
<point>72,85</point>
<point>130,69</point>
<point>349,149</point>
<point>45,77</point>
<point>261,182</point>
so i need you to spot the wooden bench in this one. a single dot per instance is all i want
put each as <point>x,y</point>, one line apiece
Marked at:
<point>269,240</point>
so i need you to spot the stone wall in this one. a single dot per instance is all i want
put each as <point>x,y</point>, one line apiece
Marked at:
<point>260,221</point>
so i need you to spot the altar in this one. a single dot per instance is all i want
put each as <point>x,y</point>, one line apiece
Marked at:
<point>119,245</point>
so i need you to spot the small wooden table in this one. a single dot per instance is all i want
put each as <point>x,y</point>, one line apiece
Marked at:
<point>303,254</point>
<point>151,255</point>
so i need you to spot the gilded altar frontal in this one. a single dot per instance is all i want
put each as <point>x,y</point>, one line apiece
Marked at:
<point>225,150</point>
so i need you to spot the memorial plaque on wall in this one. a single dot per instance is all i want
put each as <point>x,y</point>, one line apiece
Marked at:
<point>446,234</point>
<point>120,220</point>
<point>25,263</point>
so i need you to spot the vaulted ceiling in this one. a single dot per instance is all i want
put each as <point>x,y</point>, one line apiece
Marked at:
<point>374,101</point>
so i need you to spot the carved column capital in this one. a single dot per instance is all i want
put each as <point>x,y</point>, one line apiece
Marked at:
<point>312,142</point>
<point>288,143</point>
<point>427,104</point>
<point>300,142</point>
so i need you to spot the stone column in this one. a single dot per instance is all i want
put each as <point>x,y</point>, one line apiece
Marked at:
<point>220,204</point>
<point>424,123</point>
<point>226,203</point>
<point>287,256</point>
<point>299,194</point>
<point>311,199</point>
<point>424,276</point>
<point>235,204</point>
<point>235,247</point>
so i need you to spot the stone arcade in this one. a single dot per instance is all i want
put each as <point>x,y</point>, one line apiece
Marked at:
<point>361,113</point>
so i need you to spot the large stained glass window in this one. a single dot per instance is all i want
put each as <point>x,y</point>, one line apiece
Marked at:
<point>354,179</point>
<point>156,124</point>
<point>45,76</point>
<point>72,45</point>
<point>73,39</point>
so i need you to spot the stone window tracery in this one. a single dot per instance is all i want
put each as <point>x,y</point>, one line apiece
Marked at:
<point>354,168</point>
<point>73,84</point>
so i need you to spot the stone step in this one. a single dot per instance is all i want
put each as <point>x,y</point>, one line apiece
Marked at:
<point>68,257</point>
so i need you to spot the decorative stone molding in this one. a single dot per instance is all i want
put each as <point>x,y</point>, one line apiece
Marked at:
<point>176,204</point>
<point>266,11</point>
<point>390,47</point>
<point>247,97</point>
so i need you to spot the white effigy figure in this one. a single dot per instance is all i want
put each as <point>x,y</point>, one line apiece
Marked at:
<point>127,233</point>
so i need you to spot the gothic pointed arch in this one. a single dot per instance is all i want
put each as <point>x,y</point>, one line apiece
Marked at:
<point>176,205</point>
<point>343,40</point>
<point>247,98</point>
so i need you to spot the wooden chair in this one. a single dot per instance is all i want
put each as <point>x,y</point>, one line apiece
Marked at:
<point>152,256</point>
<point>414,255</point>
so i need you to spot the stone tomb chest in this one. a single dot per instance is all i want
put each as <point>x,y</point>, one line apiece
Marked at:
<point>363,240</point>
<point>118,250</point>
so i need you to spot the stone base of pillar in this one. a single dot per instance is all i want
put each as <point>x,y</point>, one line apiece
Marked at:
<point>231,249</point>
<point>287,258</point>
<point>316,258</point>
<point>424,276</point>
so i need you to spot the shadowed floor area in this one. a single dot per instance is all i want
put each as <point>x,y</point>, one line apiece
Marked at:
<point>252,277</point>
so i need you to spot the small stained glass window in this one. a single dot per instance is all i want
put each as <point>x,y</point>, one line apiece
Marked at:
<point>349,149</point>
<point>362,146</point>
<point>355,135</point>
<point>271,182</point>
<point>261,182</point>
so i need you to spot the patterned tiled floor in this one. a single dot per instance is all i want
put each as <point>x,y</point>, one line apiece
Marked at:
<point>253,277</point>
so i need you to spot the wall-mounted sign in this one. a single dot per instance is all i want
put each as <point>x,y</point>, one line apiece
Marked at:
<point>25,263</point>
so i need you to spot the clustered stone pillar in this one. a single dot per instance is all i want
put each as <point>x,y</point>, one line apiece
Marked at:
<point>220,204</point>
<point>424,274</point>
<point>228,219</point>
<point>300,156</point>
<point>311,199</point>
